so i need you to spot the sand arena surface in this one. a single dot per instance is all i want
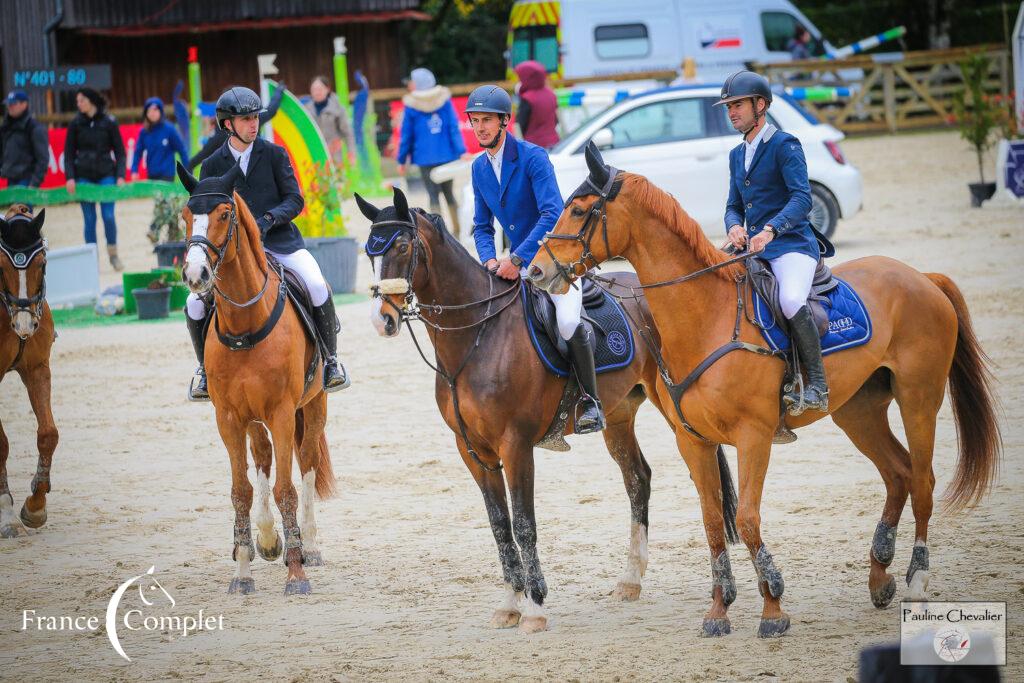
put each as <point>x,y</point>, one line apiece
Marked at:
<point>140,478</point>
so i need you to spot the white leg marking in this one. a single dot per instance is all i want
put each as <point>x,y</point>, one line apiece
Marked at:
<point>918,589</point>
<point>9,520</point>
<point>264,517</point>
<point>636,564</point>
<point>308,526</point>
<point>243,562</point>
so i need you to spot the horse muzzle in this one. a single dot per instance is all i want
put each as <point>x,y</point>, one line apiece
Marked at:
<point>24,324</point>
<point>198,277</point>
<point>547,281</point>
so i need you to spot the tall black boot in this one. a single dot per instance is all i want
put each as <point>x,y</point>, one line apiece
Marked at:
<point>808,348</point>
<point>335,377</point>
<point>197,387</point>
<point>591,417</point>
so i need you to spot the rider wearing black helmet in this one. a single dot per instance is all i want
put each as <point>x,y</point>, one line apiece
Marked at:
<point>769,200</point>
<point>273,196</point>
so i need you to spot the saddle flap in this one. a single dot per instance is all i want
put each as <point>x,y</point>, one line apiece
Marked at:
<point>763,280</point>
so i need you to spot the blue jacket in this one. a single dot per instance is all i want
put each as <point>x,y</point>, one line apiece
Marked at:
<point>160,143</point>
<point>430,138</point>
<point>775,191</point>
<point>527,203</point>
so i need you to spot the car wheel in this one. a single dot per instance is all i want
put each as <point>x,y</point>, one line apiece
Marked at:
<point>824,213</point>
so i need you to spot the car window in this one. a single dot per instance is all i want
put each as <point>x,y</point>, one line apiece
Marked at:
<point>622,41</point>
<point>780,28</point>
<point>669,121</point>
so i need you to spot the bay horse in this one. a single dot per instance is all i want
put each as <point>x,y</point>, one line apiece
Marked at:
<point>261,385</point>
<point>922,340</point>
<point>499,400</point>
<point>26,337</point>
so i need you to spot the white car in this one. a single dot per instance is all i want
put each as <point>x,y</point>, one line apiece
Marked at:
<point>679,141</point>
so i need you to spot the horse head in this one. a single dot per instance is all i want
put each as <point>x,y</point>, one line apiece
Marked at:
<point>23,268</point>
<point>211,225</point>
<point>581,238</point>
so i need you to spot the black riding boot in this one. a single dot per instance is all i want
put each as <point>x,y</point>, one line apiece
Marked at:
<point>591,417</point>
<point>335,377</point>
<point>808,347</point>
<point>197,387</point>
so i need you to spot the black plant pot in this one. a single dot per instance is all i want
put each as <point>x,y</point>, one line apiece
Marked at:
<point>980,192</point>
<point>169,254</point>
<point>152,303</point>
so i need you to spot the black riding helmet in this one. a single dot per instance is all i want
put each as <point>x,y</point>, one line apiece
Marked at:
<point>237,101</point>
<point>744,84</point>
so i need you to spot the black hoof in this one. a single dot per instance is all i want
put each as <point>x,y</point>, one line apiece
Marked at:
<point>33,520</point>
<point>272,553</point>
<point>297,587</point>
<point>713,628</point>
<point>242,586</point>
<point>883,596</point>
<point>312,558</point>
<point>773,628</point>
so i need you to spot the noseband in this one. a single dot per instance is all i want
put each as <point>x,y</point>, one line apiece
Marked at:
<point>382,238</point>
<point>598,214</point>
<point>22,259</point>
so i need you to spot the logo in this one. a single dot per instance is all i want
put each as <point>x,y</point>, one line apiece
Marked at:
<point>20,260</point>
<point>718,37</point>
<point>617,343</point>
<point>118,622</point>
<point>435,124</point>
<point>952,644</point>
<point>840,324</point>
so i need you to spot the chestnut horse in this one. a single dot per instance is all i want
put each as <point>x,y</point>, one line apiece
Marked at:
<point>505,398</point>
<point>26,336</point>
<point>922,339</point>
<point>260,386</point>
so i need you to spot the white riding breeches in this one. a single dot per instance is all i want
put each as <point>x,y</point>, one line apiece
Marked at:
<point>300,262</point>
<point>795,275</point>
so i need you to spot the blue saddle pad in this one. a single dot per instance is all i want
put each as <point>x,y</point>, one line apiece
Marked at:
<point>615,347</point>
<point>849,324</point>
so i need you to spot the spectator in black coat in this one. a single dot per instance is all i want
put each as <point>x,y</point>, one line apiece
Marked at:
<point>24,144</point>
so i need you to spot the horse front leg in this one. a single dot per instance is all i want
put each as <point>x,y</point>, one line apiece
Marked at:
<point>10,525</point>
<point>519,471</point>
<point>282,432</point>
<point>37,381</point>
<point>492,486</point>
<point>232,433</point>
<point>268,541</point>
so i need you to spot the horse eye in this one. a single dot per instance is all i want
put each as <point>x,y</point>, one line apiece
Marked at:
<point>403,248</point>
<point>577,212</point>
<point>224,216</point>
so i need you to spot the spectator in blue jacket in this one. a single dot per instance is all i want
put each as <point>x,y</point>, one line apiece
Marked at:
<point>160,141</point>
<point>431,137</point>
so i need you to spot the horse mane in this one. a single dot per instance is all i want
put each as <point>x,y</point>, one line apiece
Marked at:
<point>252,233</point>
<point>666,210</point>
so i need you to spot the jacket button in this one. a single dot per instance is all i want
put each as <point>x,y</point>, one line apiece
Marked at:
<point>503,202</point>
<point>511,228</point>
<point>746,182</point>
<point>749,205</point>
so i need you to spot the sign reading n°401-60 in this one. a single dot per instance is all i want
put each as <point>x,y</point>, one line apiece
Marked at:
<point>70,77</point>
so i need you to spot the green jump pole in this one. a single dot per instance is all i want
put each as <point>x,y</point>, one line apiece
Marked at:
<point>195,94</point>
<point>341,88</point>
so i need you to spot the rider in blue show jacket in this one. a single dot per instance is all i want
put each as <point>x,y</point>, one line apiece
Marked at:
<point>514,182</point>
<point>770,193</point>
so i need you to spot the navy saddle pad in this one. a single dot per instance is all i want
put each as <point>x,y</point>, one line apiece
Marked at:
<point>849,324</point>
<point>612,334</point>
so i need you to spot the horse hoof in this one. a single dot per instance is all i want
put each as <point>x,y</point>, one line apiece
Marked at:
<point>533,624</point>
<point>773,628</point>
<point>33,520</point>
<point>312,558</point>
<point>273,552</point>
<point>883,596</point>
<point>505,618</point>
<point>13,530</point>
<point>297,587</point>
<point>627,592</point>
<point>242,586</point>
<point>713,628</point>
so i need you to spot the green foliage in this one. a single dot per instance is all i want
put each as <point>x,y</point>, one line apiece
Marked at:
<point>167,225</point>
<point>323,203</point>
<point>465,41</point>
<point>975,112</point>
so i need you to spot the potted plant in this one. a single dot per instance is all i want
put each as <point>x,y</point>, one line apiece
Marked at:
<point>977,114</point>
<point>323,228</point>
<point>167,231</point>
<point>154,300</point>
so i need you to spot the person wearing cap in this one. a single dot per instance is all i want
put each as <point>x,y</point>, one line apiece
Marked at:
<point>431,137</point>
<point>24,144</point>
<point>272,194</point>
<point>159,141</point>
<point>514,182</point>
<point>332,119</point>
<point>769,201</point>
<point>94,154</point>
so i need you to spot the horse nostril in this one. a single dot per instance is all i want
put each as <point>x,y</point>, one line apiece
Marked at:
<point>204,274</point>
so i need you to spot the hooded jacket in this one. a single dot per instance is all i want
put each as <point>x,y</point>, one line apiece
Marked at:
<point>94,149</point>
<point>160,142</point>
<point>430,128</point>
<point>538,105</point>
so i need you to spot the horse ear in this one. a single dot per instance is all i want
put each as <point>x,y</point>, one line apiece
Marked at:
<point>368,209</point>
<point>230,178</point>
<point>37,222</point>
<point>402,204</point>
<point>186,178</point>
<point>4,228</point>
<point>596,165</point>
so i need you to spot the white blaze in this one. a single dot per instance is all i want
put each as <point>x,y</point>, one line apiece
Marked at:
<point>196,256</point>
<point>23,319</point>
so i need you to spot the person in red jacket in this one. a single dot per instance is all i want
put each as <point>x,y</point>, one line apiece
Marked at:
<point>538,105</point>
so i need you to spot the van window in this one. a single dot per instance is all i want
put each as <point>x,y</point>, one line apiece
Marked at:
<point>780,28</point>
<point>660,122</point>
<point>536,42</point>
<point>622,41</point>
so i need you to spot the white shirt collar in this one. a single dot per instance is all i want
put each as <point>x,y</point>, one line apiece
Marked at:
<point>242,157</point>
<point>496,158</point>
<point>751,147</point>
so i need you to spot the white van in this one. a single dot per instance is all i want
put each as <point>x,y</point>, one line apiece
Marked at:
<point>581,38</point>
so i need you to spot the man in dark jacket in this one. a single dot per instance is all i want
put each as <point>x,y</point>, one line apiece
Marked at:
<point>24,144</point>
<point>273,196</point>
<point>220,135</point>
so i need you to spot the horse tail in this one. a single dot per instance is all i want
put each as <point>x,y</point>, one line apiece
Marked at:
<point>325,484</point>
<point>970,392</point>
<point>728,498</point>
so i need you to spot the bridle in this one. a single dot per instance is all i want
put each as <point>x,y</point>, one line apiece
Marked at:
<point>209,248</point>
<point>22,259</point>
